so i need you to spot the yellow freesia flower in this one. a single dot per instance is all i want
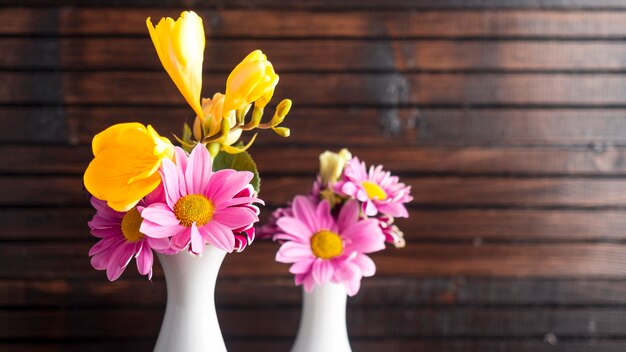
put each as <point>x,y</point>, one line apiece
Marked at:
<point>332,165</point>
<point>127,157</point>
<point>180,46</point>
<point>252,80</point>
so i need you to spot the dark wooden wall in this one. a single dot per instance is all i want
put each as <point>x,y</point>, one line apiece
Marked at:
<point>508,118</point>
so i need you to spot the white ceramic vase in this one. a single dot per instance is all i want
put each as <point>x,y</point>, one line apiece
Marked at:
<point>190,323</point>
<point>323,321</point>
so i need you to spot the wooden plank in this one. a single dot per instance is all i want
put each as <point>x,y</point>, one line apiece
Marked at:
<point>350,4</point>
<point>155,88</point>
<point>369,126</point>
<point>365,345</point>
<point>286,160</point>
<point>280,292</point>
<point>448,191</point>
<point>513,225</point>
<point>322,55</point>
<point>464,225</point>
<point>597,260</point>
<point>237,23</point>
<point>372,322</point>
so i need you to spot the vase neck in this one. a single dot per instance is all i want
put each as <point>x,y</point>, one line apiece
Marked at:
<point>323,320</point>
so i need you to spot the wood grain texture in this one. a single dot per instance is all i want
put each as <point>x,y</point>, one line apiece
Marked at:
<point>582,260</point>
<point>361,24</point>
<point>365,345</point>
<point>279,292</point>
<point>507,118</point>
<point>343,89</point>
<point>292,55</point>
<point>448,191</point>
<point>598,129</point>
<point>371,323</point>
<point>274,159</point>
<point>340,5</point>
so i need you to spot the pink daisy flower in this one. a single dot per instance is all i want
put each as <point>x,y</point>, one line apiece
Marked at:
<point>376,189</point>
<point>201,206</point>
<point>121,240</point>
<point>322,248</point>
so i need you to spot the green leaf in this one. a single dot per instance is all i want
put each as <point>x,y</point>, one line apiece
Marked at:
<point>240,162</point>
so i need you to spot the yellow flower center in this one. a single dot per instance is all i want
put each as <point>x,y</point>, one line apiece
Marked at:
<point>374,191</point>
<point>130,226</point>
<point>194,208</point>
<point>326,244</point>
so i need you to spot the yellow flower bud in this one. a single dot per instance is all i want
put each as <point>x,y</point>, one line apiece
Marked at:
<point>180,46</point>
<point>282,131</point>
<point>332,164</point>
<point>127,157</point>
<point>252,80</point>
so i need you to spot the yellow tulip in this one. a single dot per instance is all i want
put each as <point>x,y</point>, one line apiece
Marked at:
<point>180,46</point>
<point>252,80</point>
<point>127,157</point>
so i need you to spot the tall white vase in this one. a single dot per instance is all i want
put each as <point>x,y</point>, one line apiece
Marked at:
<point>190,323</point>
<point>323,321</point>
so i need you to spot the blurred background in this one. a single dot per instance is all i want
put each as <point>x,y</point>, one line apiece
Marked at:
<point>508,118</point>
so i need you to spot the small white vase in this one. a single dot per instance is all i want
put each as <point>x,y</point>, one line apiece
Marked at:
<point>323,321</point>
<point>190,323</point>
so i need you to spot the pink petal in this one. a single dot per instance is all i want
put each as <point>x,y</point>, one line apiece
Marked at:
<point>369,208</point>
<point>144,261</point>
<point>156,196</point>
<point>364,237</point>
<point>231,186</point>
<point>322,271</point>
<point>294,226</point>
<point>240,201</point>
<point>197,244</point>
<point>301,267</point>
<point>291,252</point>
<point>100,261</point>
<point>104,210</point>
<point>151,229</point>
<point>348,215</point>
<point>347,272</point>
<point>305,210</point>
<point>322,214</point>
<point>158,244</point>
<point>120,258</point>
<point>181,239</point>
<point>219,236</point>
<point>397,210</point>
<point>160,214</point>
<point>217,180</point>
<point>352,287</point>
<point>198,172</point>
<point>181,158</point>
<point>104,244</point>
<point>235,218</point>
<point>366,264</point>
<point>171,184</point>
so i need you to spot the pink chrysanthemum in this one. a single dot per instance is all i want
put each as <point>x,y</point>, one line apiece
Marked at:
<point>323,249</point>
<point>201,206</point>
<point>121,240</point>
<point>376,189</point>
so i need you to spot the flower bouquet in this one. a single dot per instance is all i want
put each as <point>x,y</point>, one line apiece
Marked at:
<point>326,236</point>
<point>190,204</point>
